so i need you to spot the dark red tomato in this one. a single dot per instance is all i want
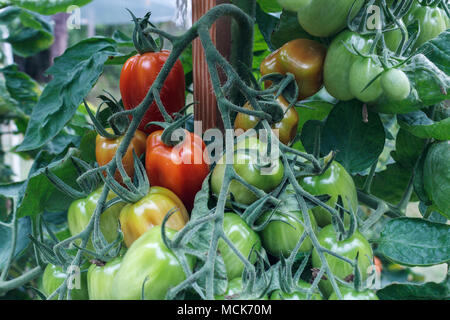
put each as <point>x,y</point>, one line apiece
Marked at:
<point>181,168</point>
<point>138,75</point>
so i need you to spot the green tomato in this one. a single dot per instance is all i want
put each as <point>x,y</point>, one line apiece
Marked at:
<point>297,295</point>
<point>395,84</point>
<point>246,164</point>
<point>325,18</point>
<point>243,238</point>
<point>352,294</point>
<point>149,265</point>
<point>100,279</point>
<point>81,211</point>
<point>293,5</point>
<point>54,277</point>
<point>348,248</point>
<point>436,175</point>
<point>234,291</point>
<point>335,182</point>
<point>281,235</point>
<point>339,60</point>
<point>362,72</point>
<point>432,22</point>
<point>393,38</point>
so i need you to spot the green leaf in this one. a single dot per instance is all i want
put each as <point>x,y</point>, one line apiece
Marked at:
<point>38,194</point>
<point>266,25</point>
<point>415,242</point>
<point>8,106</point>
<point>6,241</point>
<point>389,184</point>
<point>48,7</point>
<point>28,32</point>
<point>269,5</point>
<point>409,291</point>
<point>24,90</point>
<point>74,74</point>
<point>418,124</point>
<point>288,29</point>
<point>408,149</point>
<point>438,51</point>
<point>359,143</point>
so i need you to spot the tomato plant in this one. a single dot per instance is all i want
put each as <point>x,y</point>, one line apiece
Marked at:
<point>297,295</point>
<point>180,169</point>
<point>137,218</point>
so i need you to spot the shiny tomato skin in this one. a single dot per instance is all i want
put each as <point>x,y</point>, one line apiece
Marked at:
<point>100,279</point>
<point>138,74</point>
<point>180,169</point>
<point>234,292</point>
<point>137,218</point>
<point>54,277</point>
<point>352,294</point>
<point>296,295</point>
<point>105,150</point>
<point>348,248</point>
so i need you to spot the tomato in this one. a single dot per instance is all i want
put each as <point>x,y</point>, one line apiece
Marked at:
<point>137,218</point>
<point>286,129</point>
<point>339,60</point>
<point>54,277</point>
<point>137,76</point>
<point>149,265</point>
<point>105,150</point>
<point>436,175</point>
<point>296,295</point>
<point>234,292</point>
<point>243,238</point>
<point>393,38</point>
<point>432,22</point>
<point>304,59</point>
<point>352,294</point>
<point>348,248</point>
<point>362,72</point>
<point>395,84</point>
<point>100,279</point>
<point>246,165</point>
<point>324,18</point>
<point>281,235</point>
<point>81,211</point>
<point>335,182</point>
<point>180,169</point>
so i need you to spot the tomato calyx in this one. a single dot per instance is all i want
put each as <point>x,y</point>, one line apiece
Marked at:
<point>143,41</point>
<point>168,135</point>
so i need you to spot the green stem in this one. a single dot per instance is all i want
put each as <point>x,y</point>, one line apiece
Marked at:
<point>374,203</point>
<point>368,182</point>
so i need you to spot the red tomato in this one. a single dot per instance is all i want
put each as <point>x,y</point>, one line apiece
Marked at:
<point>138,75</point>
<point>181,168</point>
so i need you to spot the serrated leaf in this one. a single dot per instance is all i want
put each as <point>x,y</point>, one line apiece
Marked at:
<point>359,143</point>
<point>418,124</point>
<point>415,242</point>
<point>74,74</point>
<point>410,291</point>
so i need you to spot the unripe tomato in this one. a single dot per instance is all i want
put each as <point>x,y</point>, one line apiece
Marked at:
<point>362,72</point>
<point>243,238</point>
<point>339,60</point>
<point>286,129</point>
<point>296,295</point>
<point>246,164</point>
<point>395,84</point>
<point>81,211</point>
<point>234,291</point>
<point>100,279</point>
<point>54,277</point>
<point>137,218</point>
<point>105,150</point>
<point>393,38</point>
<point>436,175</point>
<point>149,265</point>
<point>281,235</point>
<point>181,168</point>
<point>138,75</point>
<point>304,59</point>
<point>335,182</point>
<point>348,248</point>
<point>352,294</point>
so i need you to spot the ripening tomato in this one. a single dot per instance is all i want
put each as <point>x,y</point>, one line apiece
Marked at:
<point>303,58</point>
<point>105,150</point>
<point>286,129</point>
<point>138,74</point>
<point>137,218</point>
<point>181,168</point>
